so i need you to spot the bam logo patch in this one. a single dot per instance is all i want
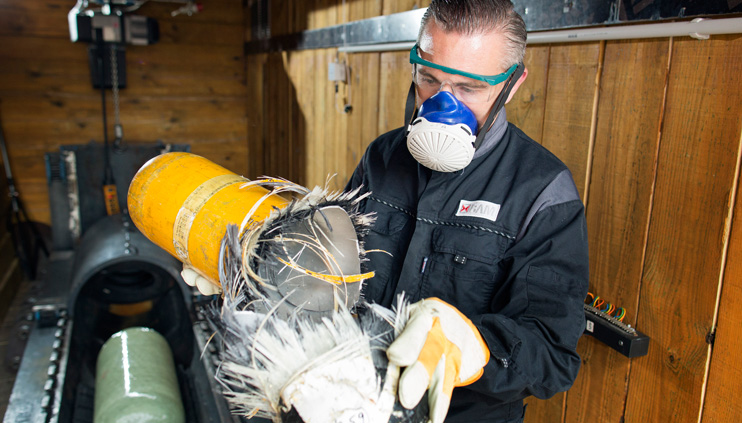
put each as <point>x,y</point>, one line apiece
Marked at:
<point>483,209</point>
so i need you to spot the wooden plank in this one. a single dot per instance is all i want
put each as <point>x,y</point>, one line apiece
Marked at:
<point>33,48</point>
<point>224,12</point>
<point>231,155</point>
<point>168,120</point>
<point>397,6</point>
<point>526,109</point>
<point>695,174</point>
<point>296,153</point>
<point>363,126</point>
<point>320,125</point>
<point>569,103</point>
<point>275,117</point>
<point>365,9</point>
<point>394,84</point>
<point>724,388</point>
<point>186,31</point>
<point>307,97</point>
<point>15,20</point>
<point>22,76</point>
<point>544,411</point>
<point>618,210</point>
<point>299,20</point>
<point>339,170</point>
<point>255,110</point>
<point>329,118</point>
<point>61,50</point>
<point>566,130</point>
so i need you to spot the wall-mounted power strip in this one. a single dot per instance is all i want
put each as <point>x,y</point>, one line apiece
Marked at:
<point>614,333</point>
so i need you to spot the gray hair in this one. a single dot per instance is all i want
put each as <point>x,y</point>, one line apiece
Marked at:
<point>470,17</point>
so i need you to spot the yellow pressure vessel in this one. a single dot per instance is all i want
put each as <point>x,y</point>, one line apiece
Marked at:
<point>183,203</point>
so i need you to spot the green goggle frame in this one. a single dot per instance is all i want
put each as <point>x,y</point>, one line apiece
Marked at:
<point>492,80</point>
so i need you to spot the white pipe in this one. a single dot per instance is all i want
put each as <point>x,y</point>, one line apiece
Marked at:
<point>369,48</point>
<point>698,28</point>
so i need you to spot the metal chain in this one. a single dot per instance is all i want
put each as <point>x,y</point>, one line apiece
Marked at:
<point>117,129</point>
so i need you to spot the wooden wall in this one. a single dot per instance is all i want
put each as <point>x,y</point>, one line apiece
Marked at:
<point>650,128</point>
<point>188,88</point>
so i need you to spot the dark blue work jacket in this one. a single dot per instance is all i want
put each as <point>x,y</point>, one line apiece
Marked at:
<point>504,240</point>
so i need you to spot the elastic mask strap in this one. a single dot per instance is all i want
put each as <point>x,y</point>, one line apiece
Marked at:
<point>410,111</point>
<point>499,103</point>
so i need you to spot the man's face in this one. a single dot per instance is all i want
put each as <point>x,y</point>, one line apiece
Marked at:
<point>480,54</point>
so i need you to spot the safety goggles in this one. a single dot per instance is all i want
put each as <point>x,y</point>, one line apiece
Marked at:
<point>471,91</point>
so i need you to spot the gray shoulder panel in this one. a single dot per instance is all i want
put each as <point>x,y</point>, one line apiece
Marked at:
<point>561,190</point>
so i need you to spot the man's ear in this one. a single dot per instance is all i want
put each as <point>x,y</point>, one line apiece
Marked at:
<point>520,80</point>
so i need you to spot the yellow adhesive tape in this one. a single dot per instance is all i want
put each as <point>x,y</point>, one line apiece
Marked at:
<point>193,205</point>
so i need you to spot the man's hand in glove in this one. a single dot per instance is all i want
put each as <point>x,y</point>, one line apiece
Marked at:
<point>441,349</point>
<point>193,278</point>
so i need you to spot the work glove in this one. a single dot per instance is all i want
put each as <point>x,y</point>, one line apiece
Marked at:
<point>192,277</point>
<point>441,349</point>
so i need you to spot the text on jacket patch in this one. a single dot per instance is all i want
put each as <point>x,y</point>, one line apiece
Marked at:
<point>483,209</point>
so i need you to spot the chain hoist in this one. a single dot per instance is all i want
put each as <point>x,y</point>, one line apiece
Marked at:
<point>118,130</point>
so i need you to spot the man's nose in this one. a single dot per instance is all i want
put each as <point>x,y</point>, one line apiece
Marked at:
<point>446,86</point>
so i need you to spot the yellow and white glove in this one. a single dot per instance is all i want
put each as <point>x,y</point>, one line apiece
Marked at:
<point>441,349</point>
<point>193,278</point>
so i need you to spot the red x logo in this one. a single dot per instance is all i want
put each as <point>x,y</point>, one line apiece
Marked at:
<point>464,208</point>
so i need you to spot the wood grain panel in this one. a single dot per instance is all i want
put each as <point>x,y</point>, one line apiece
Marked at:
<point>39,121</point>
<point>397,6</point>
<point>188,88</point>
<point>569,103</point>
<point>566,133</point>
<point>331,120</point>
<point>544,411</point>
<point>299,71</point>
<point>306,90</point>
<point>695,175</point>
<point>276,116</point>
<point>618,211</point>
<point>526,109</point>
<point>223,12</point>
<point>322,123</point>
<point>724,387</point>
<point>363,126</point>
<point>338,171</point>
<point>394,83</point>
<point>22,76</point>
<point>255,79</point>
<point>364,9</point>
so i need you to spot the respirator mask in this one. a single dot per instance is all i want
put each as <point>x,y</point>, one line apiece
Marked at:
<point>443,134</point>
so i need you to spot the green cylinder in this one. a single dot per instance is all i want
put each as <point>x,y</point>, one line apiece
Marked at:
<point>135,380</point>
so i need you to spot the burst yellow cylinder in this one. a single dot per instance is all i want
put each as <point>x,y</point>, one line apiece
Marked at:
<point>183,203</point>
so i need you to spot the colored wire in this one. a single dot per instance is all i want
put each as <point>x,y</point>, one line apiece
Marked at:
<point>620,314</point>
<point>598,303</point>
<point>590,298</point>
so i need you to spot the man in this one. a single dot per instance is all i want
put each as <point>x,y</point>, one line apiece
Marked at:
<point>491,226</point>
